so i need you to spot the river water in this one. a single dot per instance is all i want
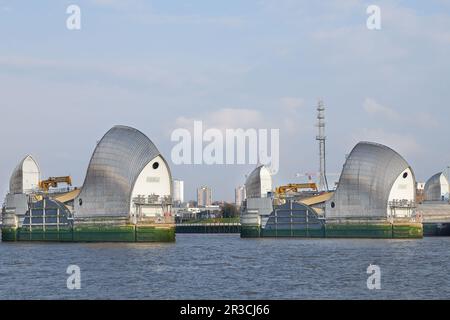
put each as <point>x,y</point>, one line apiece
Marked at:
<point>200,266</point>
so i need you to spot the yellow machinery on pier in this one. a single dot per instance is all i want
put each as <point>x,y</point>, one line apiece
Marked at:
<point>294,187</point>
<point>53,182</point>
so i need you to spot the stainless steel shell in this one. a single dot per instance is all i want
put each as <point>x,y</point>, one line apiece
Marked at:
<point>433,188</point>
<point>117,161</point>
<point>365,183</point>
<point>16,182</point>
<point>258,183</point>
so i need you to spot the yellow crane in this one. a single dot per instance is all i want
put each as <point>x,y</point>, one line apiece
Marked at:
<point>53,182</point>
<point>294,187</point>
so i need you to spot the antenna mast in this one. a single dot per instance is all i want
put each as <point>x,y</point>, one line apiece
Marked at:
<point>323,183</point>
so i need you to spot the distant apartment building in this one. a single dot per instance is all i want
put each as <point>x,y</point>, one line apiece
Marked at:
<point>204,197</point>
<point>178,192</point>
<point>239,195</point>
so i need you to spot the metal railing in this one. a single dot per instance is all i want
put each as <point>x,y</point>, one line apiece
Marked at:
<point>210,224</point>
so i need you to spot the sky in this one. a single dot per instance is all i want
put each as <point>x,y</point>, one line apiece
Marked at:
<point>159,65</point>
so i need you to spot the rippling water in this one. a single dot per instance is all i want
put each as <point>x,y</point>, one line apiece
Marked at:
<point>226,267</point>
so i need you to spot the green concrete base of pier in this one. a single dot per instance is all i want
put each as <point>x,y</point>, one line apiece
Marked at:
<point>250,232</point>
<point>91,234</point>
<point>152,234</point>
<point>347,230</point>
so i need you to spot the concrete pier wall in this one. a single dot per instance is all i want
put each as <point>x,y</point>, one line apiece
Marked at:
<point>347,230</point>
<point>129,233</point>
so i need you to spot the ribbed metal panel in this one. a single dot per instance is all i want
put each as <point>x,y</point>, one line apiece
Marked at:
<point>117,161</point>
<point>47,214</point>
<point>366,181</point>
<point>254,184</point>
<point>16,180</point>
<point>433,188</point>
<point>293,216</point>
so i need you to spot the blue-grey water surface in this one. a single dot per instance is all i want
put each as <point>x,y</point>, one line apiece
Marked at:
<point>200,266</point>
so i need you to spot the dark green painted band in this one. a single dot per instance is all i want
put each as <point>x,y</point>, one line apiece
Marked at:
<point>383,231</point>
<point>92,234</point>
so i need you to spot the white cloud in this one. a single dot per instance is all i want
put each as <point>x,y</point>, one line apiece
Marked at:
<point>146,73</point>
<point>226,118</point>
<point>194,19</point>
<point>404,36</point>
<point>292,103</point>
<point>408,22</point>
<point>404,144</point>
<point>142,11</point>
<point>290,121</point>
<point>420,119</point>
<point>119,4</point>
<point>374,108</point>
<point>425,120</point>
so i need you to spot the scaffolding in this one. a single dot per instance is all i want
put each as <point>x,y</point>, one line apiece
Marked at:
<point>161,206</point>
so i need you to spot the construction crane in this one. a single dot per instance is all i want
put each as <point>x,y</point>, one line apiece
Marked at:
<point>53,182</point>
<point>294,187</point>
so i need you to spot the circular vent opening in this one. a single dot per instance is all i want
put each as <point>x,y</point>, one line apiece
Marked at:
<point>156,165</point>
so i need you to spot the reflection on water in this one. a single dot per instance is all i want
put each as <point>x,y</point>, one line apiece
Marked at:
<point>227,267</point>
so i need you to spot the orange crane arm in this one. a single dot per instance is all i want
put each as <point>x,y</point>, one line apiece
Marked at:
<point>53,182</point>
<point>293,187</point>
